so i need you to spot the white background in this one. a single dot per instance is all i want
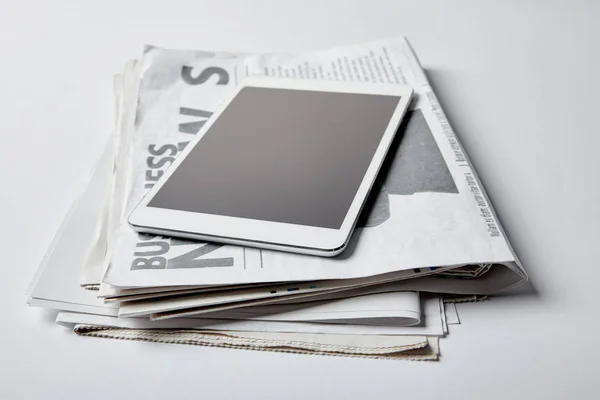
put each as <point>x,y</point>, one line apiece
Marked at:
<point>518,80</point>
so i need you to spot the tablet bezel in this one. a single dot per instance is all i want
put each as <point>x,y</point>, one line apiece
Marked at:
<point>268,234</point>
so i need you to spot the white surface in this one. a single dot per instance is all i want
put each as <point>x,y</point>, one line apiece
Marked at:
<point>536,153</point>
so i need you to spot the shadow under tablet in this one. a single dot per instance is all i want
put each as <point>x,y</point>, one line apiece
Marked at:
<point>414,164</point>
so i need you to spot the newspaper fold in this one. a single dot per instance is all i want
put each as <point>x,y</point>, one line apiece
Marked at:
<point>414,348</point>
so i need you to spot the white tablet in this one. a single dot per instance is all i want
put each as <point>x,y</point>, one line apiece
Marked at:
<point>283,164</point>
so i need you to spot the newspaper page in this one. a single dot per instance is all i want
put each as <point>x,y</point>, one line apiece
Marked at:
<point>428,210</point>
<point>56,284</point>
<point>376,309</point>
<point>125,87</point>
<point>431,323</point>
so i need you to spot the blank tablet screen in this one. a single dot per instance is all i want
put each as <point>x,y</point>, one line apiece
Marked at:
<point>282,155</point>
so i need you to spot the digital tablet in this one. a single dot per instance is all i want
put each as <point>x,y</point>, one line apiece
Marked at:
<point>282,164</point>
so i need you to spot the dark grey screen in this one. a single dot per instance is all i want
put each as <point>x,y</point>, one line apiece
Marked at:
<point>281,155</point>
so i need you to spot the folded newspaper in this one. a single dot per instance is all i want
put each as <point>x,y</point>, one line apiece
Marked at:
<point>427,220</point>
<point>428,225</point>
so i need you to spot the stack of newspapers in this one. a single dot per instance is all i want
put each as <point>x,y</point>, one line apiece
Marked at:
<point>427,238</point>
